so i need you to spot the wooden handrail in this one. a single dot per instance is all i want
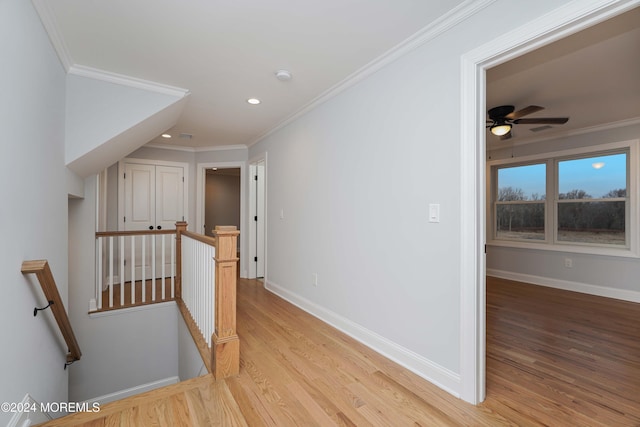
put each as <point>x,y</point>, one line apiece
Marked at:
<point>201,238</point>
<point>133,233</point>
<point>42,271</point>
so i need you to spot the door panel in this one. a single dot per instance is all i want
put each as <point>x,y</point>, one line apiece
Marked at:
<point>260,226</point>
<point>140,194</point>
<point>153,200</point>
<point>169,206</point>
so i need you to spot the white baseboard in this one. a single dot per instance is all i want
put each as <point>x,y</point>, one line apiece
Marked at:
<point>602,291</point>
<point>112,397</point>
<point>438,375</point>
<point>29,417</point>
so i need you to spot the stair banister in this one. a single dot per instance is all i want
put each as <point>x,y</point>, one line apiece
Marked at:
<point>225,352</point>
<point>42,271</point>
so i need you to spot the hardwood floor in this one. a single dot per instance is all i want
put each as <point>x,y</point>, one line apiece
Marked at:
<point>553,358</point>
<point>562,358</point>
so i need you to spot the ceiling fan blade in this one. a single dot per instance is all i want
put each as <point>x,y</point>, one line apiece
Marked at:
<point>524,112</point>
<point>542,121</point>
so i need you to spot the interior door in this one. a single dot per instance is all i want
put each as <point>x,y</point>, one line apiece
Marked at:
<point>260,223</point>
<point>154,200</point>
<point>169,189</point>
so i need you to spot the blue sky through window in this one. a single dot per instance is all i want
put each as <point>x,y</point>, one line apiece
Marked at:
<point>530,179</point>
<point>595,175</point>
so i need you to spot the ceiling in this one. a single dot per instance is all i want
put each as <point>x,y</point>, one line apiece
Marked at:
<point>592,77</point>
<point>225,52</point>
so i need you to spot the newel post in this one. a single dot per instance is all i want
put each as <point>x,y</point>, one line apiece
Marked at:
<point>181,226</point>
<point>225,352</point>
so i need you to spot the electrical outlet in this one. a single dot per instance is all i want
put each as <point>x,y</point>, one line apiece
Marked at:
<point>314,279</point>
<point>568,262</point>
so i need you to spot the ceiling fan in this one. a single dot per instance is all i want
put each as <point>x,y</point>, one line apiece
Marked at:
<point>503,118</point>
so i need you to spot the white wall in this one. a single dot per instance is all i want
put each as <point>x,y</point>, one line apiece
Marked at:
<point>33,187</point>
<point>106,120</point>
<point>354,178</point>
<point>601,275</point>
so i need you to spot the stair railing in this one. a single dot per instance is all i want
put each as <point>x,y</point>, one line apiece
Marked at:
<point>207,300</point>
<point>42,271</point>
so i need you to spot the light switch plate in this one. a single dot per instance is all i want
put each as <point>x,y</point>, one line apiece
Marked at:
<point>434,212</point>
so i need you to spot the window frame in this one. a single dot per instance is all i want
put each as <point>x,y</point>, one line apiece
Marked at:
<point>551,202</point>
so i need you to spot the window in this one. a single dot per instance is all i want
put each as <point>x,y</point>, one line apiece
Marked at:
<point>592,200</point>
<point>574,200</point>
<point>520,204</point>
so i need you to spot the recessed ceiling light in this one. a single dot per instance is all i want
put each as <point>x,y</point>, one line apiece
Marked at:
<point>253,101</point>
<point>166,135</point>
<point>598,165</point>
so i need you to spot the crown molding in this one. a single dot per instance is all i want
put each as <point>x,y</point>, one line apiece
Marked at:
<point>447,21</point>
<point>49,23</point>
<point>197,149</point>
<point>221,148</point>
<point>121,79</point>
<point>567,134</point>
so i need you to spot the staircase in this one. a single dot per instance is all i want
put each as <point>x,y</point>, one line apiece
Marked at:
<point>200,401</point>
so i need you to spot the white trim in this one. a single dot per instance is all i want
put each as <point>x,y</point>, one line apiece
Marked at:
<point>169,147</point>
<point>430,32</point>
<point>253,162</point>
<point>558,23</point>
<point>200,198</point>
<point>438,375</point>
<point>121,79</point>
<point>221,148</point>
<point>112,397</point>
<point>566,285</point>
<point>197,149</point>
<point>31,417</point>
<point>122,311</point>
<point>49,23</point>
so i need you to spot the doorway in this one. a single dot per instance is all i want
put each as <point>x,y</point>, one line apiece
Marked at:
<point>238,169</point>
<point>221,199</point>
<point>545,30</point>
<point>257,237</point>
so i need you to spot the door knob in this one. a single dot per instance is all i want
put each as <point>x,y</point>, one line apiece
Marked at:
<point>151,227</point>
<point>159,228</point>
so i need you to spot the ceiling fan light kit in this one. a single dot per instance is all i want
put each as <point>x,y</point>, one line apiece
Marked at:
<point>502,119</point>
<point>500,129</point>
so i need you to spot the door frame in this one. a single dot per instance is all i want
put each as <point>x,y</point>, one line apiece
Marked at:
<point>561,22</point>
<point>201,171</point>
<point>121,169</point>
<point>253,209</point>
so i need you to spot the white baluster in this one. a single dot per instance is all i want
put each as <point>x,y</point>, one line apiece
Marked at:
<point>153,267</point>
<point>133,269</point>
<point>173,267</point>
<point>144,268</point>
<point>162,267</point>
<point>110,271</point>
<point>121,271</point>
<point>100,275</point>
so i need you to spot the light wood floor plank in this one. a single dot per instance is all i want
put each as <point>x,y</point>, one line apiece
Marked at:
<point>554,358</point>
